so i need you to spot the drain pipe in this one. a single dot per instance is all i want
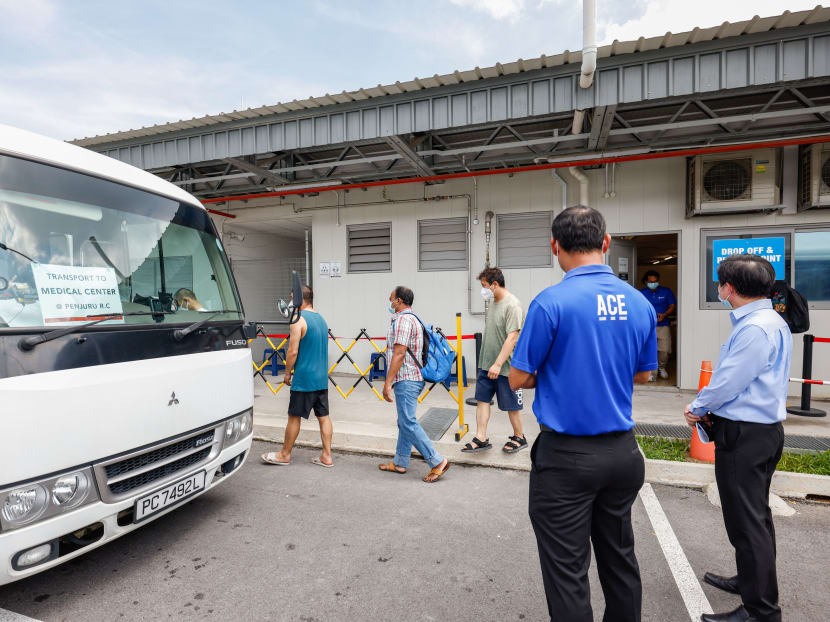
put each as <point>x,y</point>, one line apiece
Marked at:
<point>589,43</point>
<point>564,185</point>
<point>307,261</point>
<point>582,178</point>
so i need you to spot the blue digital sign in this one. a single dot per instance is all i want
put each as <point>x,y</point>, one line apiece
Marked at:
<point>771,249</point>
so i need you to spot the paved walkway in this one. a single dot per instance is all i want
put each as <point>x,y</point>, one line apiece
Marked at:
<point>364,424</point>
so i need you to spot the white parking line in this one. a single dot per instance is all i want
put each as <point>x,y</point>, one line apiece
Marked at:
<point>11,616</point>
<point>690,589</point>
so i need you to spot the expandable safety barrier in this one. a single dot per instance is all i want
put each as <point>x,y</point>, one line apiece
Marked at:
<point>275,351</point>
<point>806,381</point>
<point>364,374</point>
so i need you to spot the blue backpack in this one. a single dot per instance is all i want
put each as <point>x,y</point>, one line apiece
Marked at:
<point>437,356</point>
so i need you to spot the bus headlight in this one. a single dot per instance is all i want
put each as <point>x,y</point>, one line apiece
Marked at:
<point>70,490</point>
<point>25,504</point>
<point>239,427</point>
<point>46,498</point>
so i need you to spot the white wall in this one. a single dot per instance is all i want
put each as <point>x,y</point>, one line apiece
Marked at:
<point>649,199</point>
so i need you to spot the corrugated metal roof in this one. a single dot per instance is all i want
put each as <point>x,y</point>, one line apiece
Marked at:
<point>669,40</point>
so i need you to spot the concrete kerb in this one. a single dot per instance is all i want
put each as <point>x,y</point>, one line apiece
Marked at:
<point>686,474</point>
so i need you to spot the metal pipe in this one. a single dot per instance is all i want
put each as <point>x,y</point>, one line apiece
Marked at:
<point>564,185</point>
<point>576,127</point>
<point>659,155</point>
<point>582,178</point>
<point>589,43</point>
<point>613,179</point>
<point>607,193</point>
<point>307,261</point>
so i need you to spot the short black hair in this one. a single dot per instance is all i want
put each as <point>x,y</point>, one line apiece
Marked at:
<point>579,229</point>
<point>308,295</point>
<point>653,273</point>
<point>406,295</point>
<point>752,276</point>
<point>492,275</point>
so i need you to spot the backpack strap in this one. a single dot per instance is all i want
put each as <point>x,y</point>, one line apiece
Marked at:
<point>418,364</point>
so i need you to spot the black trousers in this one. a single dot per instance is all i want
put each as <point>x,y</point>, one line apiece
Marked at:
<point>581,491</point>
<point>745,458</point>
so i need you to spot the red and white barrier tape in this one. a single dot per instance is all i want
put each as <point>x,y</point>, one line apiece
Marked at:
<point>803,381</point>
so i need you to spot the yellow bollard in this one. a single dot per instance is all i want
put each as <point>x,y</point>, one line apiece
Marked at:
<point>459,370</point>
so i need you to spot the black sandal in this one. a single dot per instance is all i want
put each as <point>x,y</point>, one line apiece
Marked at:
<point>476,445</point>
<point>514,444</point>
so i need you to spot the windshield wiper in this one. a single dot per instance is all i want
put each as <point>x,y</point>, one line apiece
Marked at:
<point>14,250</point>
<point>28,343</point>
<point>181,333</point>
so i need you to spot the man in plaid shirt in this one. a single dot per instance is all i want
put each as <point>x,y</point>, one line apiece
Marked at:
<point>404,352</point>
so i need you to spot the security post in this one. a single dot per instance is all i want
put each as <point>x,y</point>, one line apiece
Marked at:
<point>459,366</point>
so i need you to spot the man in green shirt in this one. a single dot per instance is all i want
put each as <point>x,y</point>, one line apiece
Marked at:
<point>501,332</point>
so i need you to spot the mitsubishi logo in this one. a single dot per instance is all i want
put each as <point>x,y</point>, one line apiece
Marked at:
<point>173,399</point>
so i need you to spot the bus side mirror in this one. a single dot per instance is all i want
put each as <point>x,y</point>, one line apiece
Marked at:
<point>249,330</point>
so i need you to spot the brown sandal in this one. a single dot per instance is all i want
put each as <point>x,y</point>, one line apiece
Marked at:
<point>435,474</point>
<point>392,468</point>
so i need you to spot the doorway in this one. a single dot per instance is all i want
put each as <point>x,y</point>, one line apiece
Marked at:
<point>636,257</point>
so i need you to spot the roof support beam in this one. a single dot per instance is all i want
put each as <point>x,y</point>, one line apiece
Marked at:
<point>244,165</point>
<point>711,114</point>
<point>808,102</point>
<point>601,122</point>
<point>410,155</point>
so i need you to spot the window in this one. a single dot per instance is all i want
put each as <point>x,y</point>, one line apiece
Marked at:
<point>442,244</point>
<point>370,247</point>
<point>812,267</point>
<point>524,240</point>
<point>773,244</point>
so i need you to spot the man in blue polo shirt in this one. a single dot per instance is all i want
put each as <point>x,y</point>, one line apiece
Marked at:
<point>663,301</point>
<point>584,343</point>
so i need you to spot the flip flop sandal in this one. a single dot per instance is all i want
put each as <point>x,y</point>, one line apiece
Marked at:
<point>514,444</point>
<point>319,462</point>
<point>391,467</point>
<point>435,474</point>
<point>271,458</point>
<point>476,445</point>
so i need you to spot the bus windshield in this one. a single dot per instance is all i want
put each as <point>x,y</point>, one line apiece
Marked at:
<point>75,248</point>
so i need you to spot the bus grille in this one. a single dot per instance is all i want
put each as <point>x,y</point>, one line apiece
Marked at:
<point>144,470</point>
<point>157,455</point>
<point>148,477</point>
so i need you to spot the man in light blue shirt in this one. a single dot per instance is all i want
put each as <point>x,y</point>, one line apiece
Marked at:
<point>741,410</point>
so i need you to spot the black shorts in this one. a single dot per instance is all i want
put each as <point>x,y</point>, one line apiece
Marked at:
<point>302,403</point>
<point>486,388</point>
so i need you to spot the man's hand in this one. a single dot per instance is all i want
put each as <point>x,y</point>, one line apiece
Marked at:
<point>494,372</point>
<point>691,418</point>
<point>287,378</point>
<point>661,317</point>
<point>387,393</point>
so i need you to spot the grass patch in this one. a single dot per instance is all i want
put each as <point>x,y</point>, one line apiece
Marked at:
<point>657,448</point>
<point>675,449</point>
<point>815,463</point>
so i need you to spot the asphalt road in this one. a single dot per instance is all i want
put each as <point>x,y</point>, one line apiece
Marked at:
<point>307,544</point>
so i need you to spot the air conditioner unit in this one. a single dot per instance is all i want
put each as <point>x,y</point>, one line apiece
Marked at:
<point>813,176</point>
<point>730,183</point>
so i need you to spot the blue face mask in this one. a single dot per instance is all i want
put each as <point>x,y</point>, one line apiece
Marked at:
<point>654,285</point>
<point>725,302</point>
<point>391,308</point>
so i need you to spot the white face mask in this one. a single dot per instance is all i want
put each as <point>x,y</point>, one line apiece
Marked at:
<point>486,293</point>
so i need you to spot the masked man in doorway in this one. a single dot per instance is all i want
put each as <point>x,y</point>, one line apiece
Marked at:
<point>664,302</point>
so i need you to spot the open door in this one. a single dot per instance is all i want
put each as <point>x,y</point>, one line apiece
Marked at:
<point>622,257</point>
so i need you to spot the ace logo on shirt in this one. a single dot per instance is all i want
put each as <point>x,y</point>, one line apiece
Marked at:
<point>611,306</point>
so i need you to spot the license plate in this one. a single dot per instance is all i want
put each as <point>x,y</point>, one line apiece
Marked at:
<point>169,495</point>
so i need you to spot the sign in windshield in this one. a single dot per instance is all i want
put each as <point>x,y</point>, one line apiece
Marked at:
<point>75,248</point>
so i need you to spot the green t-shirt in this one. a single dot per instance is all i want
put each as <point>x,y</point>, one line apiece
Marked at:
<point>502,319</point>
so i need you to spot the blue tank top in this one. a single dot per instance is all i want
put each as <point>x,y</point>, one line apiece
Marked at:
<point>311,368</point>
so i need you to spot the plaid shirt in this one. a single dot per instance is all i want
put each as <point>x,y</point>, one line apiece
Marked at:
<point>405,330</point>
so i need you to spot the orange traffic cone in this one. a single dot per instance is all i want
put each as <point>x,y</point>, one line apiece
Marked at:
<point>705,452</point>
